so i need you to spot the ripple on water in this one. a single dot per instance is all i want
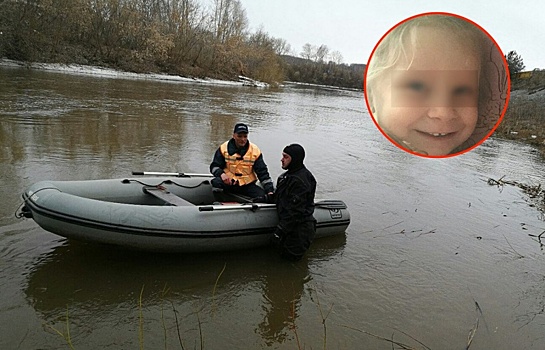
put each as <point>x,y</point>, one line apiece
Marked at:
<point>427,239</point>
<point>23,241</point>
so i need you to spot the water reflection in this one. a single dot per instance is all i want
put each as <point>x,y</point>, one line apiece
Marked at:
<point>98,118</point>
<point>420,229</point>
<point>62,278</point>
<point>282,291</point>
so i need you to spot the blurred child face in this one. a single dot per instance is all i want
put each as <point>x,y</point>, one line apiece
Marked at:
<point>429,104</point>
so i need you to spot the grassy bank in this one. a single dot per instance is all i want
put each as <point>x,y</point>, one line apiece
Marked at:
<point>524,119</point>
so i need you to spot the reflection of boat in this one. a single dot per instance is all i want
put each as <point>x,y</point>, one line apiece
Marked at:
<point>99,279</point>
<point>162,214</point>
<point>96,288</point>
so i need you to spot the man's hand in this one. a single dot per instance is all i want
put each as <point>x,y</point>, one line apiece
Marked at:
<point>267,198</point>
<point>226,180</point>
<point>278,237</point>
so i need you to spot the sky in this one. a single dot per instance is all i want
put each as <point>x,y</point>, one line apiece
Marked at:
<point>353,27</point>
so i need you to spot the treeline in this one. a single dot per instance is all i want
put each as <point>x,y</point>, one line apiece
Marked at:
<point>174,36</point>
<point>322,73</point>
<point>195,38</point>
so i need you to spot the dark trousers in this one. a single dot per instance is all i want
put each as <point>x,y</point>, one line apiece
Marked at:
<point>251,190</point>
<point>297,240</point>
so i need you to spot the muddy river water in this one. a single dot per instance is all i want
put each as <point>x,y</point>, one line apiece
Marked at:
<point>434,256</point>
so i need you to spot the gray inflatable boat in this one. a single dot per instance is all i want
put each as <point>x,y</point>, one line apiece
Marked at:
<point>168,213</point>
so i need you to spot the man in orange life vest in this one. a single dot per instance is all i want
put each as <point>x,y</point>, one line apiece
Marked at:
<point>237,165</point>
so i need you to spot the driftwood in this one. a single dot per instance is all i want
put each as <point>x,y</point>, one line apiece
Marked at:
<point>539,239</point>
<point>533,191</point>
<point>536,193</point>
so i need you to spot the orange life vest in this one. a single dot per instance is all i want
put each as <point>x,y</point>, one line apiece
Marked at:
<point>241,169</point>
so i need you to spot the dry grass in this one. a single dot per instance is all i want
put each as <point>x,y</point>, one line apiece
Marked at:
<point>524,119</point>
<point>66,336</point>
<point>533,84</point>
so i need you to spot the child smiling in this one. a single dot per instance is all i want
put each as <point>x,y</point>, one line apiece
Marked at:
<point>425,82</point>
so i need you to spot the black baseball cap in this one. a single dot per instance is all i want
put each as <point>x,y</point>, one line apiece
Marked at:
<point>240,127</point>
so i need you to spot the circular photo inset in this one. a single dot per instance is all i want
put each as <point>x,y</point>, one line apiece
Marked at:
<point>437,85</point>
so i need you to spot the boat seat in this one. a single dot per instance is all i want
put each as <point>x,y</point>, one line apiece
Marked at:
<point>166,196</point>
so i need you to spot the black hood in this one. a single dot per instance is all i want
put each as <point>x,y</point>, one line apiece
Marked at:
<point>297,154</point>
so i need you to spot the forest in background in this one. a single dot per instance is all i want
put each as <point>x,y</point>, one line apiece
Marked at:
<point>190,38</point>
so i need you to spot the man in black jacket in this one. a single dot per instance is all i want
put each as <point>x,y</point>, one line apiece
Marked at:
<point>294,199</point>
<point>237,165</point>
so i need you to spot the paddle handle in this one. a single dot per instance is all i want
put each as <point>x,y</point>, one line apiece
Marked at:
<point>155,173</point>
<point>253,207</point>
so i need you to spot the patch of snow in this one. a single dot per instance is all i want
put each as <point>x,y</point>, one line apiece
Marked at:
<point>330,87</point>
<point>251,82</point>
<point>112,73</point>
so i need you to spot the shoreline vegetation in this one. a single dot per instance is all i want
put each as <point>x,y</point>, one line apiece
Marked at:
<point>194,39</point>
<point>524,118</point>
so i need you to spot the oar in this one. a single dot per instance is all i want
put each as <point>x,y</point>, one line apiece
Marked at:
<point>252,207</point>
<point>154,173</point>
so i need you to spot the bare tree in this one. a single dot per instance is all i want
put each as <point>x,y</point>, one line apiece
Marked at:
<point>281,46</point>
<point>308,51</point>
<point>321,53</point>
<point>228,20</point>
<point>336,57</point>
<point>260,38</point>
<point>315,53</point>
<point>186,19</point>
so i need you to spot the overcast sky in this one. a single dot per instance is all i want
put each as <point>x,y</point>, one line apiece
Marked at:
<point>353,27</point>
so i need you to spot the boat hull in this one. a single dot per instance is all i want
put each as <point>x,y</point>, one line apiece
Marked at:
<point>120,212</point>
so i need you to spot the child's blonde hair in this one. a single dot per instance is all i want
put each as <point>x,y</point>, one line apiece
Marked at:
<point>396,47</point>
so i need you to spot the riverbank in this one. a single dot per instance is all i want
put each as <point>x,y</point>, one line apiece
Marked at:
<point>113,73</point>
<point>96,71</point>
<point>524,119</point>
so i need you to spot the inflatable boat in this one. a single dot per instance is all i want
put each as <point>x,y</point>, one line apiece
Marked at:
<point>169,212</point>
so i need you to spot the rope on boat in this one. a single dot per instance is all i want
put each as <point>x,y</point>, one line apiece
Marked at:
<point>22,211</point>
<point>165,182</point>
<point>19,214</point>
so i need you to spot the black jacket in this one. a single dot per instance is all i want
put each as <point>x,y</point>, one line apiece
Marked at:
<point>260,168</point>
<point>294,197</point>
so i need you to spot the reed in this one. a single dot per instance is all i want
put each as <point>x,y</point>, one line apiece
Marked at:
<point>164,292</point>
<point>324,314</point>
<point>66,336</point>
<point>323,318</point>
<point>391,341</point>
<point>177,326</point>
<point>214,290</point>
<point>140,320</point>
<point>293,325</point>
<point>201,337</point>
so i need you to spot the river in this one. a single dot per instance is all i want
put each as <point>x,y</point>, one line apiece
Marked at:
<point>434,256</point>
